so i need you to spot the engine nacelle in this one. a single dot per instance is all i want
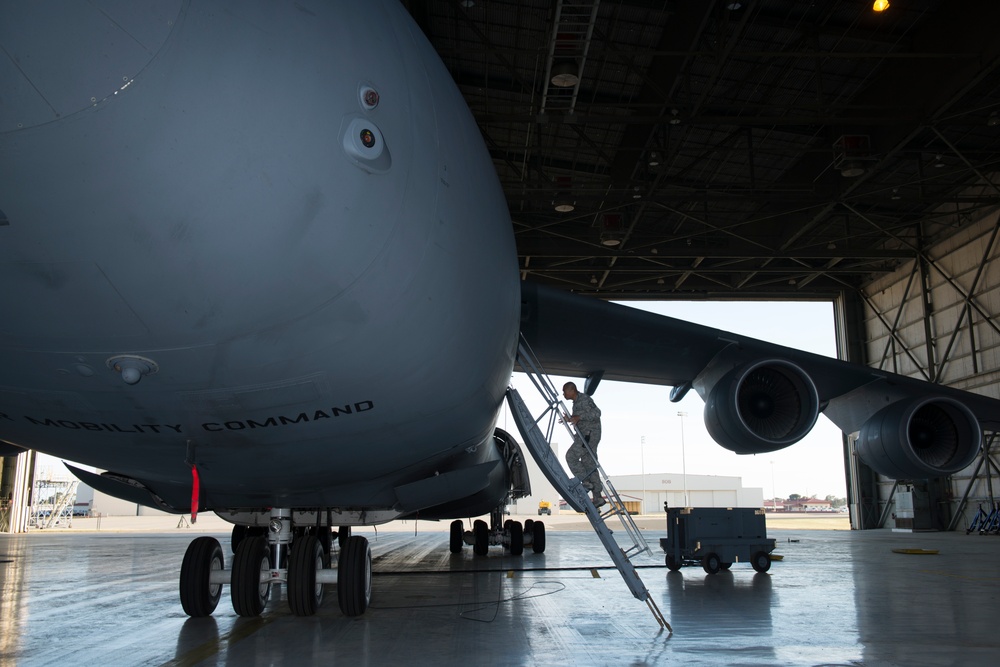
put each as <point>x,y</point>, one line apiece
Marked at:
<point>920,438</point>
<point>761,406</point>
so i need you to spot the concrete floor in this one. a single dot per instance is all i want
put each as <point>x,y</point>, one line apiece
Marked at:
<point>837,598</point>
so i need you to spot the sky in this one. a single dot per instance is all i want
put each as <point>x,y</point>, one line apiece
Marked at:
<point>630,412</point>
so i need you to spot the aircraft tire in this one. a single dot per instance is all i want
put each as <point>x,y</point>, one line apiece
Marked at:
<point>457,537</point>
<point>482,534</point>
<point>242,532</point>
<point>304,594</point>
<point>248,593</point>
<point>761,561</point>
<point>354,576</point>
<point>239,532</point>
<point>528,523</point>
<point>200,597</point>
<point>710,563</point>
<point>343,534</point>
<point>325,537</point>
<point>516,533</point>
<point>538,537</point>
<point>672,564</point>
<point>725,566</point>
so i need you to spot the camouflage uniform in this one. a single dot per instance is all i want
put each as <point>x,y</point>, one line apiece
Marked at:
<point>579,459</point>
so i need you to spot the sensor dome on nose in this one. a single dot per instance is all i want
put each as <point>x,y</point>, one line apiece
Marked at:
<point>132,367</point>
<point>364,144</point>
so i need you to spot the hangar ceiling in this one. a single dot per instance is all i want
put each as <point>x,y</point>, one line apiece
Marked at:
<point>721,149</point>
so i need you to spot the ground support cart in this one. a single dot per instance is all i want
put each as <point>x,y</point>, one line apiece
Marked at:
<point>716,537</point>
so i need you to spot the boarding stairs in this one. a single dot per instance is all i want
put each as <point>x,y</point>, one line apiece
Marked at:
<point>572,489</point>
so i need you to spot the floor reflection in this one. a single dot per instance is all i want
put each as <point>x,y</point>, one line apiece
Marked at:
<point>835,599</point>
<point>735,604</point>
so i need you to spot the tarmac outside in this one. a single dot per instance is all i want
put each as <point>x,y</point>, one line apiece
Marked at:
<point>559,520</point>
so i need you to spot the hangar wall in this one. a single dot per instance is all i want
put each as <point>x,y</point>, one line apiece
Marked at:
<point>935,318</point>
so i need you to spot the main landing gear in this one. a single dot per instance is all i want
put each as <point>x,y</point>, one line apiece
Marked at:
<point>511,534</point>
<point>298,556</point>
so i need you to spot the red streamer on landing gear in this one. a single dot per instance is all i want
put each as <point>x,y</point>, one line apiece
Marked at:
<point>195,489</point>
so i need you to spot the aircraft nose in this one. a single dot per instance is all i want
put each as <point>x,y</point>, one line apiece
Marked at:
<point>63,60</point>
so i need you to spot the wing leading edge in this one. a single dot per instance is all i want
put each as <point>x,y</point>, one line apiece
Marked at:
<point>760,396</point>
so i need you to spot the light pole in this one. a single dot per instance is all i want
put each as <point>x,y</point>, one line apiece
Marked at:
<point>642,467</point>
<point>684,474</point>
<point>774,495</point>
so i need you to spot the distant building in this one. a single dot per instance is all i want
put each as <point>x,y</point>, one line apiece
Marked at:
<point>655,489</point>
<point>808,505</point>
<point>649,493</point>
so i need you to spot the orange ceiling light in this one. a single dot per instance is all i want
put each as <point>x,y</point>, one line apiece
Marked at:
<point>881,5</point>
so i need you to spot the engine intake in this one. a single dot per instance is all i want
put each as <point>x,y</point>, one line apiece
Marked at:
<point>920,438</point>
<point>761,407</point>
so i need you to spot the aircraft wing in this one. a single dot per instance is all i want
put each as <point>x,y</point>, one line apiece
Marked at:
<point>759,396</point>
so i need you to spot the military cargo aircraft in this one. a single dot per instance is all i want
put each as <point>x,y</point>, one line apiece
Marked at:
<point>256,261</point>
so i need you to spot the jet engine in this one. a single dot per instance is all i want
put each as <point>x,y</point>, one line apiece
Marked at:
<point>920,438</point>
<point>761,406</point>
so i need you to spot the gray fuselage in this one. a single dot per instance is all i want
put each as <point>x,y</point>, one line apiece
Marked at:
<point>327,288</point>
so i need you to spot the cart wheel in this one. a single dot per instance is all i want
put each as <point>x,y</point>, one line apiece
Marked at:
<point>673,564</point>
<point>711,563</point>
<point>761,561</point>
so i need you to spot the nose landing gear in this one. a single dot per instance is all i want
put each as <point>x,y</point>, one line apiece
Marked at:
<point>299,559</point>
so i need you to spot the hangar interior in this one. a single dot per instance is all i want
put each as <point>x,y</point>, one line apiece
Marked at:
<point>767,149</point>
<point>664,149</point>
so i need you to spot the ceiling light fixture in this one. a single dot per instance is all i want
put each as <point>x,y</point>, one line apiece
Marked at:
<point>654,159</point>
<point>993,120</point>
<point>612,229</point>
<point>564,74</point>
<point>674,120</point>
<point>938,161</point>
<point>733,6</point>
<point>593,280</point>
<point>852,154</point>
<point>852,169</point>
<point>880,5</point>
